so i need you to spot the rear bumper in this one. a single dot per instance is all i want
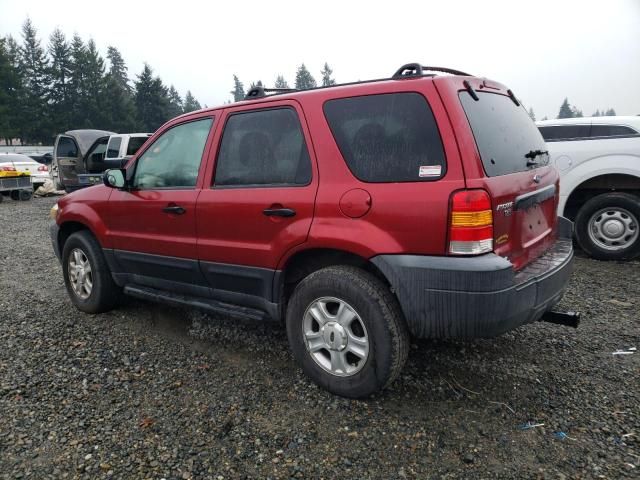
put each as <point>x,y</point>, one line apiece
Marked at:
<point>447,297</point>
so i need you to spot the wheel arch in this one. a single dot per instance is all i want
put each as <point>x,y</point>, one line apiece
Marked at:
<point>69,228</point>
<point>304,262</point>
<point>597,184</point>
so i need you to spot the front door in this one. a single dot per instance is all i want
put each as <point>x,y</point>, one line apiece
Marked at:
<point>67,158</point>
<point>152,225</point>
<point>258,203</point>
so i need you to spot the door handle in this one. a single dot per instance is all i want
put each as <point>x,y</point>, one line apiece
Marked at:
<point>279,212</point>
<point>175,209</point>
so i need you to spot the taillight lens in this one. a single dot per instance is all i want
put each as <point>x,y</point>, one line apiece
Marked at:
<point>470,223</point>
<point>7,169</point>
<point>43,168</point>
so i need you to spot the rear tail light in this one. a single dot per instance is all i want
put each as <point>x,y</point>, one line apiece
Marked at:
<point>43,168</point>
<point>470,223</point>
<point>7,169</point>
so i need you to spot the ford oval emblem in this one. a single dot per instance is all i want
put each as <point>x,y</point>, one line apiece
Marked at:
<point>536,178</point>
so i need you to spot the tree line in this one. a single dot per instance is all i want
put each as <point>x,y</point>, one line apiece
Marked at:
<point>46,90</point>
<point>571,111</point>
<point>303,81</point>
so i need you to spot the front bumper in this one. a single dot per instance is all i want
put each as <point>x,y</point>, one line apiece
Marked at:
<point>455,297</point>
<point>54,229</point>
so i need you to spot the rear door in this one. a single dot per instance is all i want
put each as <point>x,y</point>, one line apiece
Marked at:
<point>66,157</point>
<point>513,166</point>
<point>259,201</point>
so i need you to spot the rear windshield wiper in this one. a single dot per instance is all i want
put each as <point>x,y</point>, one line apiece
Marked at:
<point>531,156</point>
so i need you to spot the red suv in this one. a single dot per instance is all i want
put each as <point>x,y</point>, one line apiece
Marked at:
<point>361,214</point>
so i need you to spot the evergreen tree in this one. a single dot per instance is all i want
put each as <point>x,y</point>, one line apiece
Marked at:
<point>326,73</point>
<point>117,68</point>
<point>151,100</point>
<point>281,82</point>
<point>238,90</point>
<point>610,113</point>
<point>532,114</point>
<point>60,71</point>
<point>304,79</point>
<point>175,103</point>
<point>256,84</point>
<point>597,113</point>
<point>190,103</point>
<point>94,98</point>
<point>10,90</point>
<point>77,82</point>
<point>565,110</point>
<point>34,70</point>
<point>545,118</point>
<point>577,113</point>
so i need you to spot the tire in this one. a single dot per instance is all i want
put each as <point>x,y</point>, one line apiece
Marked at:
<point>25,195</point>
<point>377,322</point>
<point>104,293</point>
<point>15,195</point>
<point>608,228</point>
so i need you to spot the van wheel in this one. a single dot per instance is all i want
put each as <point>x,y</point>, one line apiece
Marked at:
<point>608,228</point>
<point>86,274</point>
<point>347,331</point>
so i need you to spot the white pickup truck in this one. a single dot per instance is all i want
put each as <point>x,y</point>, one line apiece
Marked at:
<point>598,159</point>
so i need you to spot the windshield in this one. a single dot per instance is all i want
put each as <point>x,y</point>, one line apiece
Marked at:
<point>507,138</point>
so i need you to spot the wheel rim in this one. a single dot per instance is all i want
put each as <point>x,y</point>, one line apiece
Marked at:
<point>335,336</point>
<point>80,274</point>
<point>613,228</point>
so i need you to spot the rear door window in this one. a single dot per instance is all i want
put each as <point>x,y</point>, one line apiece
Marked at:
<point>113,149</point>
<point>263,148</point>
<point>134,144</point>
<point>66,148</point>
<point>504,133</point>
<point>555,133</point>
<point>387,138</point>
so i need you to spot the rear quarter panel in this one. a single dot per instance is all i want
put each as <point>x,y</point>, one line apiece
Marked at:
<point>409,217</point>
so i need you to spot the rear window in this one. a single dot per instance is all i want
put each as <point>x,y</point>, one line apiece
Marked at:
<point>504,133</point>
<point>387,138</point>
<point>611,131</point>
<point>134,144</point>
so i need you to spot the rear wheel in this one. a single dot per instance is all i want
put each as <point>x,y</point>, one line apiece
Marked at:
<point>347,331</point>
<point>25,195</point>
<point>608,228</point>
<point>15,195</point>
<point>87,275</point>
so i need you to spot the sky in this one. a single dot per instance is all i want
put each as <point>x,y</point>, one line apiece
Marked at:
<point>586,50</point>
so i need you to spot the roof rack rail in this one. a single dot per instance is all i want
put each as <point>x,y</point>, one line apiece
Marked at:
<point>416,70</point>
<point>260,92</point>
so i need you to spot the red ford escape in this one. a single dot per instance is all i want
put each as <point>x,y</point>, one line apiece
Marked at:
<point>360,214</point>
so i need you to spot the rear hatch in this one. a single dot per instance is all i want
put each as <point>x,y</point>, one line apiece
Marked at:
<point>515,171</point>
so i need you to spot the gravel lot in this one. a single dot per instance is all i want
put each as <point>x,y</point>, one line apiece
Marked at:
<point>148,391</point>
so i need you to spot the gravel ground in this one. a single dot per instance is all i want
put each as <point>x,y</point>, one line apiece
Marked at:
<point>148,391</point>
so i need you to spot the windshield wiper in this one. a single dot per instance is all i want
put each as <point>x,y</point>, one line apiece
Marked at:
<point>532,156</point>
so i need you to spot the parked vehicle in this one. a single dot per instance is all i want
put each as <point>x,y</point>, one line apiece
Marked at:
<point>78,152</point>
<point>599,163</point>
<point>360,214</point>
<point>22,163</point>
<point>14,183</point>
<point>45,158</point>
<point>122,147</point>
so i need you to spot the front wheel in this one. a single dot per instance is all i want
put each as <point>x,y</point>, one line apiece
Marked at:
<point>347,331</point>
<point>608,228</point>
<point>86,274</point>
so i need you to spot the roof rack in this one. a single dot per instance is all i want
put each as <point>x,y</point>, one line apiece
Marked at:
<point>261,92</point>
<point>416,70</point>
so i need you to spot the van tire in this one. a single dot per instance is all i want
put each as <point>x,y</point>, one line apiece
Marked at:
<point>377,309</point>
<point>599,220</point>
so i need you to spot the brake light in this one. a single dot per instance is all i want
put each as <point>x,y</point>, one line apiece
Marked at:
<point>470,223</point>
<point>43,168</point>
<point>7,169</point>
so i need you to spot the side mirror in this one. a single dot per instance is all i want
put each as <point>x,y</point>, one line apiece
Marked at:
<point>115,178</point>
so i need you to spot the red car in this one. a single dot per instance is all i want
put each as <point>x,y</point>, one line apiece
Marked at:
<point>360,214</point>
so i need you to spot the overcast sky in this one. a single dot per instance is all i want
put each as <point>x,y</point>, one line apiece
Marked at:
<point>587,50</point>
